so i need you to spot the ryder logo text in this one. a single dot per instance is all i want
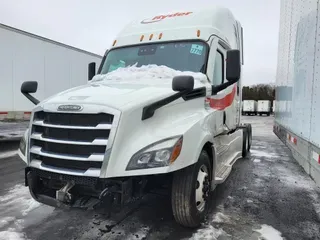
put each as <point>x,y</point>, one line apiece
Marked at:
<point>161,17</point>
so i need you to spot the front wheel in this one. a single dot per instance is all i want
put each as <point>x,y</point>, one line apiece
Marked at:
<point>190,192</point>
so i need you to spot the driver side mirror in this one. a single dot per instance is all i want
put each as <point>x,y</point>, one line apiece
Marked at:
<point>233,65</point>
<point>30,87</point>
<point>233,70</point>
<point>91,70</point>
<point>182,83</point>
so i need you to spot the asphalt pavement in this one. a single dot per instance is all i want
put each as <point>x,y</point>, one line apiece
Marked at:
<point>267,196</point>
<point>12,131</point>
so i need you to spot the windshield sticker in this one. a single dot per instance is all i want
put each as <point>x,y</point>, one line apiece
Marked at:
<point>196,49</point>
<point>115,67</point>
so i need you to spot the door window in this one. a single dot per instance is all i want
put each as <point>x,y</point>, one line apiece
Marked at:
<point>218,69</point>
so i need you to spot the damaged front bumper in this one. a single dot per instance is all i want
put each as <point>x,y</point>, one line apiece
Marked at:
<point>67,191</point>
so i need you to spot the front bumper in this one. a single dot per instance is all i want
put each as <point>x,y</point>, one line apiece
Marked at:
<point>67,191</point>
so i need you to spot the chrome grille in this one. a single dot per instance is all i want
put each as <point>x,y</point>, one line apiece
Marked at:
<point>68,140</point>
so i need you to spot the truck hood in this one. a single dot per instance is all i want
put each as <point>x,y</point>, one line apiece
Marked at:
<point>111,94</point>
<point>126,87</point>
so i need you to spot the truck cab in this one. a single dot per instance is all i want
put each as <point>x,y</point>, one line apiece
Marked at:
<point>163,108</point>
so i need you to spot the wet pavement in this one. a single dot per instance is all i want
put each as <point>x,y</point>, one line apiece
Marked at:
<point>12,131</point>
<point>267,196</point>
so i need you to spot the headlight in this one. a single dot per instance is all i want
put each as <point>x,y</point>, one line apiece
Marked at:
<point>159,154</point>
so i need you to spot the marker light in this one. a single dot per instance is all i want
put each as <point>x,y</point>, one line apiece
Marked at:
<point>176,151</point>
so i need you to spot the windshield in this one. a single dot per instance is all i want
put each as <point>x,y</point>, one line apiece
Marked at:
<point>181,56</point>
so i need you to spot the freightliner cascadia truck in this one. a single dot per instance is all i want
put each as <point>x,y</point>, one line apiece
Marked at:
<point>163,108</point>
<point>297,111</point>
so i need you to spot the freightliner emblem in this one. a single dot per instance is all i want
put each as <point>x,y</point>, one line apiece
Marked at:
<point>71,108</point>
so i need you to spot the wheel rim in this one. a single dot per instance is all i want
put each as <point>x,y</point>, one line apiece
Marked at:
<point>202,188</point>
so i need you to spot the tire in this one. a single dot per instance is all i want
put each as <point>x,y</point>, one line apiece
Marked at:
<point>184,187</point>
<point>249,137</point>
<point>245,142</point>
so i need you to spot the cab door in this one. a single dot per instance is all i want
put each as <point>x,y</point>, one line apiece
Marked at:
<point>225,102</point>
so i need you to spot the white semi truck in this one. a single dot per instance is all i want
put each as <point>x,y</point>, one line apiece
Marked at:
<point>163,109</point>
<point>249,107</point>
<point>298,83</point>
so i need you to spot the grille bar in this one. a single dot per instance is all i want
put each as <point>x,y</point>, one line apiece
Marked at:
<point>92,172</point>
<point>99,126</point>
<point>74,119</point>
<point>71,142</point>
<point>92,157</point>
<point>99,142</point>
<point>71,134</point>
<point>69,164</point>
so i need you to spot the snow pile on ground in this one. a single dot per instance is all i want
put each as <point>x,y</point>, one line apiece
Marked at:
<point>220,218</point>
<point>148,74</point>
<point>269,233</point>
<point>5,221</point>
<point>209,232</point>
<point>11,234</point>
<point>260,153</point>
<point>19,196</point>
<point>19,203</point>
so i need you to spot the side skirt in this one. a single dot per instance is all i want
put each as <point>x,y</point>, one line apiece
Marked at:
<point>229,150</point>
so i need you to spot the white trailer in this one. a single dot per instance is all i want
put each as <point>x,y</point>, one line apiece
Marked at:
<point>164,109</point>
<point>249,107</point>
<point>264,107</point>
<point>298,83</point>
<point>28,57</point>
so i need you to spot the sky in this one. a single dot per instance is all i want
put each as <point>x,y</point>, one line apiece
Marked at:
<point>93,25</point>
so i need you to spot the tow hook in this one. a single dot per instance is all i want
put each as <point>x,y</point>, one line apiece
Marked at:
<point>63,194</point>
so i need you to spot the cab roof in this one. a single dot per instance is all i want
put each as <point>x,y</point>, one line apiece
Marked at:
<point>180,25</point>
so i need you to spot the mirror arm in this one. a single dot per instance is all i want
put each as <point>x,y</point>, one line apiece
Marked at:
<point>216,89</point>
<point>148,111</point>
<point>31,98</point>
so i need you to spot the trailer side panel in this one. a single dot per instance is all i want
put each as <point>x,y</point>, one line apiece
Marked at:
<point>25,57</point>
<point>297,96</point>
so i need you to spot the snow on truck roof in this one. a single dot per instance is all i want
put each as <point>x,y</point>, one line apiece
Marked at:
<point>178,25</point>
